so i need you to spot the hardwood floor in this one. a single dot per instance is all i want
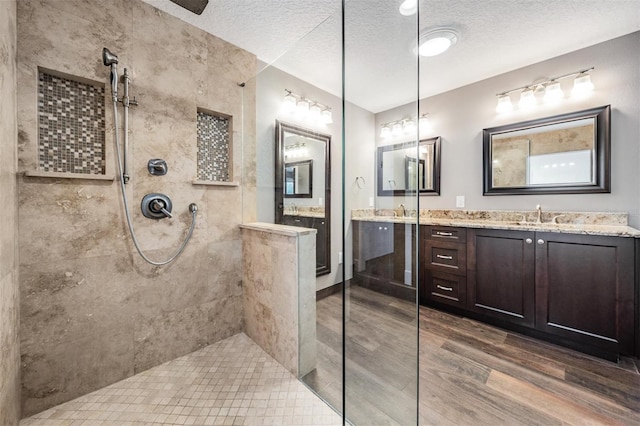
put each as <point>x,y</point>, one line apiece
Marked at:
<point>470,373</point>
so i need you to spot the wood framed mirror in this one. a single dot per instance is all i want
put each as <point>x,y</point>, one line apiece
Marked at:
<point>563,154</point>
<point>303,185</point>
<point>403,168</point>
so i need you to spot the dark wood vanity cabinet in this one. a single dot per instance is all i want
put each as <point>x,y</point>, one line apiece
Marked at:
<point>585,289</point>
<point>575,290</point>
<point>317,223</point>
<point>444,265</point>
<point>384,258</point>
<point>501,275</point>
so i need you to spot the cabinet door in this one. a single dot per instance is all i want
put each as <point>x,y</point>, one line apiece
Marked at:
<point>585,289</point>
<point>500,275</point>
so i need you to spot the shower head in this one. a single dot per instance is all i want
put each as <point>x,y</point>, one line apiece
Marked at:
<point>195,6</point>
<point>108,58</point>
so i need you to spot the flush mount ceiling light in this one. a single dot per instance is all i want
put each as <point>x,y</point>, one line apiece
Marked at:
<point>408,7</point>
<point>437,41</point>
<point>551,88</point>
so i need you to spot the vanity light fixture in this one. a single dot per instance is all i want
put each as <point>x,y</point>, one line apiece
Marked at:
<point>436,41</point>
<point>289,103</point>
<point>553,92</point>
<point>424,124</point>
<point>409,127</point>
<point>396,129</point>
<point>296,150</point>
<point>504,103</point>
<point>315,112</point>
<point>302,108</point>
<point>406,126</point>
<point>408,7</point>
<point>582,85</point>
<point>305,109</point>
<point>527,99</point>
<point>551,88</point>
<point>326,116</point>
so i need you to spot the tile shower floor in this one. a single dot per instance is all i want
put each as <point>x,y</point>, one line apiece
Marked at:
<point>232,382</point>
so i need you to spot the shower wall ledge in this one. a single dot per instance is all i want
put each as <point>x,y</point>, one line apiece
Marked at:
<point>214,183</point>
<point>58,175</point>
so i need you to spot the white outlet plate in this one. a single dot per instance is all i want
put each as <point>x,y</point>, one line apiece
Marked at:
<point>370,201</point>
<point>340,258</point>
<point>459,200</point>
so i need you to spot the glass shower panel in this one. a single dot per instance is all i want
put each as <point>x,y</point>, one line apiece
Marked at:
<point>298,140</point>
<point>382,169</point>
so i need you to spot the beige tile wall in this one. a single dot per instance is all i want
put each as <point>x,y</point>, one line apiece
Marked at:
<point>279,293</point>
<point>9,303</point>
<point>93,312</point>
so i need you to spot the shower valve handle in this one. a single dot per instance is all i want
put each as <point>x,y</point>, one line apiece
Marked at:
<point>160,207</point>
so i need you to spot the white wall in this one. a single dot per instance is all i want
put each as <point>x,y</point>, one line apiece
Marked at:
<point>460,115</point>
<point>271,85</point>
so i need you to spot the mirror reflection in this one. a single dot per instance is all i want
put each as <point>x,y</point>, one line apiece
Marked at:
<point>402,168</point>
<point>302,185</point>
<point>298,179</point>
<point>558,154</point>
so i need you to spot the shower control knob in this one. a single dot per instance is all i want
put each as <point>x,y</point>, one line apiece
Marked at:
<point>156,206</point>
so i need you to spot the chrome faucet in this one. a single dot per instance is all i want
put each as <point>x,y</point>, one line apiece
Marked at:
<point>404,211</point>
<point>539,209</point>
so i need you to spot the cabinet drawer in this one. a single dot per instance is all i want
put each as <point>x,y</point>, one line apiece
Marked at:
<point>446,233</point>
<point>446,256</point>
<point>447,288</point>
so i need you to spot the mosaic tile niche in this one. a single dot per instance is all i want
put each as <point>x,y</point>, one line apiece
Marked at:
<point>71,126</point>
<point>214,154</point>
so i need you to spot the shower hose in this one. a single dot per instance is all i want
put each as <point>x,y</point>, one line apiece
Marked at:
<point>192,208</point>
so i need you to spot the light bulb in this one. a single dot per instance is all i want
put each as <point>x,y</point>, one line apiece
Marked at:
<point>504,104</point>
<point>409,7</point>
<point>289,103</point>
<point>424,124</point>
<point>385,132</point>
<point>314,112</point>
<point>326,116</point>
<point>553,92</point>
<point>582,85</point>
<point>409,127</point>
<point>302,108</point>
<point>527,99</point>
<point>396,130</point>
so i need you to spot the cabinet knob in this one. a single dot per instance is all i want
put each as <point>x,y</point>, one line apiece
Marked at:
<point>528,241</point>
<point>540,241</point>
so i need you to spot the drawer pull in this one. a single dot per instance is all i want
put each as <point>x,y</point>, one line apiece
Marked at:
<point>442,256</point>
<point>444,234</point>
<point>441,287</point>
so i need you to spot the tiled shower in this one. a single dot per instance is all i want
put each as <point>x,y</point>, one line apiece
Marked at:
<point>92,312</point>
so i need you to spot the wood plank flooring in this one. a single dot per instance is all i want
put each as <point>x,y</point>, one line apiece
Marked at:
<point>470,373</point>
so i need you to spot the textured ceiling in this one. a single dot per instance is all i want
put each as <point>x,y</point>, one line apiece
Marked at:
<point>303,38</point>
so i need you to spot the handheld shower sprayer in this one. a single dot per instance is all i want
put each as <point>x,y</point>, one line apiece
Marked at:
<point>111,60</point>
<point>157,205</point>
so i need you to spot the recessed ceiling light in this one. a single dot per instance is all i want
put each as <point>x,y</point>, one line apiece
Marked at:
<point>409,7</point>
<point>437,41</point>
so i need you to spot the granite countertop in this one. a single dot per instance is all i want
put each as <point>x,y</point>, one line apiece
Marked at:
<point>305,214</point>
<point>606,224</point>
